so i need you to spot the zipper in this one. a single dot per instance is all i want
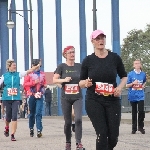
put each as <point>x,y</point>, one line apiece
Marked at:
<point>12,85</point>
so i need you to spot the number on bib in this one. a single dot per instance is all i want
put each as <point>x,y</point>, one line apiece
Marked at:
<point>12,91</point>
<point>104,89</point>
<point>71,89</point>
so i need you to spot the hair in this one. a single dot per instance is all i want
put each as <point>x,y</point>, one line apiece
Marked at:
<point>65,49</point>
<point>140,62</point>
<point>9,63</point>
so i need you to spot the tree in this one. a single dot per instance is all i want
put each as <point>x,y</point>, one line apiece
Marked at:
<point>137,46</point>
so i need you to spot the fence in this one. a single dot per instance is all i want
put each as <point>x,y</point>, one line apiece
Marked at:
<point>126,107</point>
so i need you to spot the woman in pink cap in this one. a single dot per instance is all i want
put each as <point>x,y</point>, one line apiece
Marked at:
<point>68,75</point>
<point>98,74</point>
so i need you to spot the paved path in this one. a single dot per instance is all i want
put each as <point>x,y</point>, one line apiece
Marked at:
<point>53,137</point>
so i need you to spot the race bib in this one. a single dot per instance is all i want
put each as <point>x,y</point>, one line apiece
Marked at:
<point>71,88</point>
<point>104,89</point>
<point>137,87</point>
<point>12,91</point>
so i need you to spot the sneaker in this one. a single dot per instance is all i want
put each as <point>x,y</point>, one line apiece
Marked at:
<point>73,127</point>
<point>39,134</point>
<point>31,132</point>
<point>141,130</point>
<point>68,146</point>
<point>133,132</point>
<point>6,132</point>
<point>13,138</point>
<point>79,147</point>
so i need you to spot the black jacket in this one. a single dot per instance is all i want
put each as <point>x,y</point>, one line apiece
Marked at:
<point>48,95</point>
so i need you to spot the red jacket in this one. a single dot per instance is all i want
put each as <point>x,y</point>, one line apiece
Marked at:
<point>30,85</point>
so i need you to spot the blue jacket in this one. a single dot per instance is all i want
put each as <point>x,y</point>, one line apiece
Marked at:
<point>11,86</point>
<point>138,94</point>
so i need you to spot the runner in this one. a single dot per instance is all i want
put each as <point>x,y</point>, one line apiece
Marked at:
<point>34,85</point>
<point>11,94</point>
<point>67,74</point>
<point>136,84</point>
<point>98,74</point>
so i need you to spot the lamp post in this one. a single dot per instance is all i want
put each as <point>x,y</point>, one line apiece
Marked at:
<point>94,16</point>
<point>10,24</point>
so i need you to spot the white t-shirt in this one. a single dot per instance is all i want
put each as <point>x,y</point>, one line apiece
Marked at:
<point>21,74</point>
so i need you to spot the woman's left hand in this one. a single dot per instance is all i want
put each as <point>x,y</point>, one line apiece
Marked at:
<point>117,91</point>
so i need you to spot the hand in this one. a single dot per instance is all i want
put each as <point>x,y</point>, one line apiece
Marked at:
<point>37,81</point>
<point>88,83</point>
<point>135,82</point>
<point>40,63</point>
<point>67,79</point>
<point>117,91</point>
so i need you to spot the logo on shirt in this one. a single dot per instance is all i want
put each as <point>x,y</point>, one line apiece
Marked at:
<point>70,71</point>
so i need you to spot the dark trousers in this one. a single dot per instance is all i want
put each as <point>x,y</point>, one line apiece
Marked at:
<point>67,111</point>
<point>48,108</point>
<point>11,109</point>
<point>141,115</point>
<point>104,114</point>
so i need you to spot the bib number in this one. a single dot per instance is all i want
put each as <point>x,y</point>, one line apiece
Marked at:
<point>104,89</point>
<point>71,89</point>
<point>12,91</point>
<point>137,87</point>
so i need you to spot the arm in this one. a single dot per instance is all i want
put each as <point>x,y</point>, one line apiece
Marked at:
<point>57,76</point>
<point>1,80</point>
<point>123,82</point>
<point>144,81</point>
<point>57,80</point>
<point>84,79</point>
<point>83,74</point>
<point>28,82</point>
<point>121,72</point>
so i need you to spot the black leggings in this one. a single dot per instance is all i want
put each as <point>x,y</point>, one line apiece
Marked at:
<point>11,109</point>
<point>104,113</point>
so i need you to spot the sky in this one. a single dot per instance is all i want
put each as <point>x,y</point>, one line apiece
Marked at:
<point>133,15</point>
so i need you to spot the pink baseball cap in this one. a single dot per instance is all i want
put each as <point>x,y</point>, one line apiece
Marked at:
<point>96,33</point>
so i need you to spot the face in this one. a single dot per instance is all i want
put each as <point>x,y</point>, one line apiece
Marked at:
<point>137,64</point>
<point>99,42</point>
<point>70,54</point>
<point>12,67</point>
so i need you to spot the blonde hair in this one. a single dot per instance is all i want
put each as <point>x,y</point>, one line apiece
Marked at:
<point>8,63</point>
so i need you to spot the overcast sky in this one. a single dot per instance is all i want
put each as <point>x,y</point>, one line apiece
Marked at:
<point>133,14</point>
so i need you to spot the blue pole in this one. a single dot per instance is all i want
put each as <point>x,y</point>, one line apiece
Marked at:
<point>59,47</point>
<point>14,46</point>
<point>26,36</point>
<point>115,26</point>
<point>83,44</point>
<point>115,29</point>
<point>40,38</point>
<point>0,45</point>
<point>40,32</point>
<point>4,35</point>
